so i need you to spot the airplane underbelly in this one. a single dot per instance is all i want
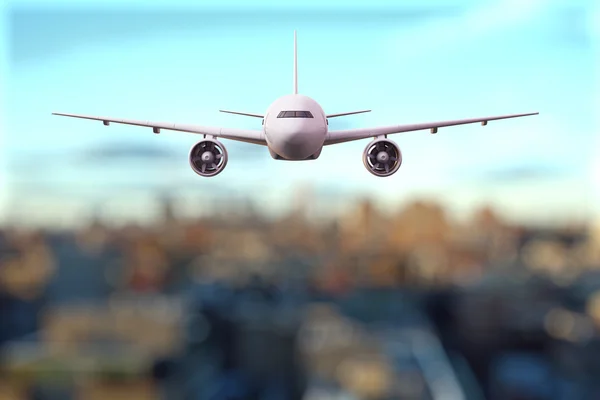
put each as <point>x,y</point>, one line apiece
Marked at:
<point>297,146</point>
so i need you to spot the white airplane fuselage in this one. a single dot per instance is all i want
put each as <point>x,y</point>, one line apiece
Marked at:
<point>297,137</point>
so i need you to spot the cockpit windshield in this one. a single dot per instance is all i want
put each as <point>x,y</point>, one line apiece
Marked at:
<point>295,114</point>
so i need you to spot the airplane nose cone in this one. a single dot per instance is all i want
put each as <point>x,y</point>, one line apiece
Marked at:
<point>291,129</point>
<point>296,137</point>
<point>298,140</point>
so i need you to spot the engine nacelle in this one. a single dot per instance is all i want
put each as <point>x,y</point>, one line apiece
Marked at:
<point>382,157</point>
<point>208,157</point>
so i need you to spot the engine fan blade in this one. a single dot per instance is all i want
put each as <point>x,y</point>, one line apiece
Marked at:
<point>203,168</point>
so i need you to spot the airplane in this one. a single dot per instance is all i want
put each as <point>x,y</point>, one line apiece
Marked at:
<point>295,128</point>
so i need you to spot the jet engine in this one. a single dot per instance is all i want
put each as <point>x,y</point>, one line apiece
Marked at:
<point>208,157</point>
<point>382,157</point>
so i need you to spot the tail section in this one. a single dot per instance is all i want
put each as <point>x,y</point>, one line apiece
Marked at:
<point>295,65</point>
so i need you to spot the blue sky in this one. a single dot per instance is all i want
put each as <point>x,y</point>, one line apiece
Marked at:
<point>408,64</point>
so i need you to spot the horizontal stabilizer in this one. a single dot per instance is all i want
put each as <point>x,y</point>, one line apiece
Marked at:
<point>242,113</point>
<point>347,113</point>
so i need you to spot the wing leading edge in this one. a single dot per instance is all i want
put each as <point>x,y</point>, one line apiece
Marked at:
<point>346,113</point>
<point>341,136</point>
<point>243,113</point>
<point>240,135</point>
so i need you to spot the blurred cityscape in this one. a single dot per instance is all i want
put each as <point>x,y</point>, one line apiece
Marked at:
<point>372,305</point>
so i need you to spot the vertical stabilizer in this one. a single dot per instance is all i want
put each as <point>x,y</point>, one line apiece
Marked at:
<point>295,65</point>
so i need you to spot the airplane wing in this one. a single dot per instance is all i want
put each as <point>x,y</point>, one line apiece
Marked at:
<point>243,113</point>
<point>346,113</point>
<point>347,135</point>
<point>240,135</point>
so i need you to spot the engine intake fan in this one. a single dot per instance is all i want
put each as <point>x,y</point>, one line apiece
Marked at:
<point>382,157</point>
<point>208,157</point>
